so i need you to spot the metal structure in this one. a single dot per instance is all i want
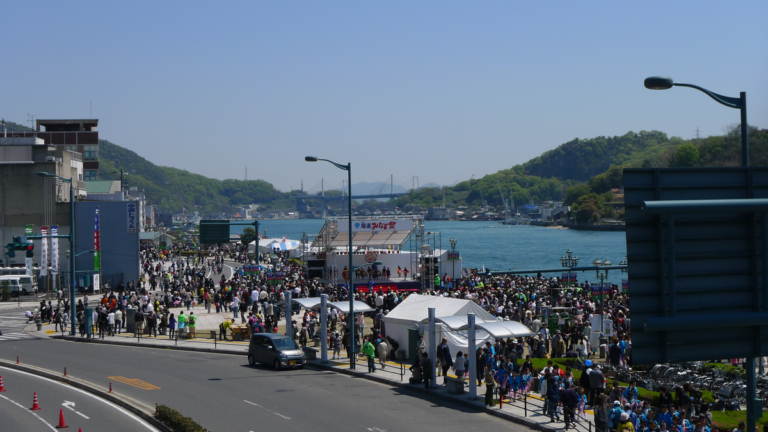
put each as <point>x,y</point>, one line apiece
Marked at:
<point>604,264</point>
<point>453,242</point>
<point>348,169</point>
<point>425,250</point>
<point>698,247</point>
<point>740,103</point>
<point>569,261</point>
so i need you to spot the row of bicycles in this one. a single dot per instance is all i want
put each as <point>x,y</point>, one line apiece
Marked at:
<point>728,386</point>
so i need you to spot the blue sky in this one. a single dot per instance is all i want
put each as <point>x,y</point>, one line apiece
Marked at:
<point>441,89</point>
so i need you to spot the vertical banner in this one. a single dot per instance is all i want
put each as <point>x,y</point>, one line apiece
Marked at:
<point>44,252</point>
<point>96,243</point>
<point>55,250</point>
<point>96,283</point>
<point>28,230</point>
<point>132,217</point>
<point>625,286</point>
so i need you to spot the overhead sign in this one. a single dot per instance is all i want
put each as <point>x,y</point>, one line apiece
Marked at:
<point>377,225</point>
<point>696,278</point>
<point>214,232</point>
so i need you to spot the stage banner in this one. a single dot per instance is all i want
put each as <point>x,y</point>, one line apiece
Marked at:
<point>377,225</point>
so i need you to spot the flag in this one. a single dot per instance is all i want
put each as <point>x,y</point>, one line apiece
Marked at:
<point>44,252</point>
<point>54,249</point>
<point>96,243</point>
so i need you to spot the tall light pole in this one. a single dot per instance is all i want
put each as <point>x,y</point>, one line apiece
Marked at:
<point>72,312</point>
<point>351,267</point>
<point>569,261</point>
<point>740,103</point>
<point>453,260</point>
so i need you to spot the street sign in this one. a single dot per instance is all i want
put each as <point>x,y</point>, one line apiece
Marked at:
<point>214,232</point>
<point>696,275</point>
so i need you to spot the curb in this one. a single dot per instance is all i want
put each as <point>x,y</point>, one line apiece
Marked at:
<point>417,390</point>
<point>141,411</point>
<point>137,344</point>
<point>319,366</point>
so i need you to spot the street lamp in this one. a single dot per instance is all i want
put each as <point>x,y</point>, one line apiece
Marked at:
<point>601,277</point>
<point>72,312</point>
<point>121,172</point>
<point>569,261</point>
<point>740,103</point>
<point>348,169</point>
<point>453,260</point>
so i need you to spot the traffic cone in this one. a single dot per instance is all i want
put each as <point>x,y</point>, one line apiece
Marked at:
<point>2,387</point>
<point>62,423</point>
<point>35,405</point>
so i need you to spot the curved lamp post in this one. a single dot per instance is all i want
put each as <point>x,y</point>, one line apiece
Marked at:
<point>740,103</point>
<point>351,267</point>
<point>569,261</point>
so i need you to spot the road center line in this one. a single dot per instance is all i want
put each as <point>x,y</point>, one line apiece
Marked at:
<point>275,413</point>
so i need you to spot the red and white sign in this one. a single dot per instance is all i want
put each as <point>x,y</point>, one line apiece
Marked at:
<point>377,225</point>
<point>371,257</point>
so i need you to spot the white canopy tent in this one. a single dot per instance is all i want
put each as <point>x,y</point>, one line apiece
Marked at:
<point>307,302</point>
<point>415,309</point>
<point>343,306</point>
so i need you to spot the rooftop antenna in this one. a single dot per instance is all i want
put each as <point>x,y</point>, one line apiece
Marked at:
<point>31,120</point>
<point>5,132</point>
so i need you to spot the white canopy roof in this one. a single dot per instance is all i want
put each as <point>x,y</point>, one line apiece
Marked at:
<point>454,322</point>
<point>308,302</point>
<point>503,329</point>
<point>343,306</point>
<point>415,308</point>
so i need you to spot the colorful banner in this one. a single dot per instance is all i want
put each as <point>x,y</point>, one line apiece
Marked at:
<point>625,286</point>
<point>573,280</point>
<point>453,255</point>
<point>28,230</point>
<point>54,249</point>
<point>96,243</point>
<point>596,292</point>
<point>44,252</point>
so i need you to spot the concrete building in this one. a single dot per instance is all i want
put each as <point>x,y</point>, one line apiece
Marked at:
<point>77,135</point>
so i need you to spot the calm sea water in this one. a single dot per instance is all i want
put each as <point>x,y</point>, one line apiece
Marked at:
<point>496,246</point>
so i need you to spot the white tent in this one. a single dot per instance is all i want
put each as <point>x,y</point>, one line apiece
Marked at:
<point>415,308</point>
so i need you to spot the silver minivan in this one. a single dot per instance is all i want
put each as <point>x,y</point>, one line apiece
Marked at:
<point>18,283</point>
<point>277,350</point>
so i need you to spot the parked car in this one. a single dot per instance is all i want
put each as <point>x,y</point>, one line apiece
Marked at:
<point>277,350</point>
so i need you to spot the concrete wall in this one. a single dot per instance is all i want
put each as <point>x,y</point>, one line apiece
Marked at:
<point>119,248</point>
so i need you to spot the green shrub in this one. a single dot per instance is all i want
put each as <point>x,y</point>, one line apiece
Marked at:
<point>176,421</point>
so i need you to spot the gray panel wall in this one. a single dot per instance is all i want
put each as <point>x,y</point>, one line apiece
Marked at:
<point>119,248</point>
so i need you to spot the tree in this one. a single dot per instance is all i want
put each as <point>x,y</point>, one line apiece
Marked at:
<point>586,211</point>
<point>249,235</point>
<point>575,192</point>
<point>687,155</point>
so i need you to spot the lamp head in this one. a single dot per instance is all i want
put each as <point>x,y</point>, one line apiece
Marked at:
<point>658,83</point>
<point>310,158</point>
<point>43,173</point>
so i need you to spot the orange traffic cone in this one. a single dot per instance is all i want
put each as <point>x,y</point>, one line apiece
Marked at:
<point>62,423</point>
<point>35,405</point>
<point>2,387</point>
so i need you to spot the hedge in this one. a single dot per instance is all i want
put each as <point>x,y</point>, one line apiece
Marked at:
<point>176,421</point>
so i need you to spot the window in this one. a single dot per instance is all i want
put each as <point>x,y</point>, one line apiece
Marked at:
<point>72,148</point>
<point>91,175</point>
<point>91,152</point>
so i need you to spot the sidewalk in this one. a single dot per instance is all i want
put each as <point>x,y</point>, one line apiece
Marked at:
<point>527,411</point>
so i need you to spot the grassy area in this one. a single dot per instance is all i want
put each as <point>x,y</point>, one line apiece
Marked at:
<point>729,369</point>
<point>727,420</point>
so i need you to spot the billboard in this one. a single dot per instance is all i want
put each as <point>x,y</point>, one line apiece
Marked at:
<point>376,225</point>
<point>696,278</point>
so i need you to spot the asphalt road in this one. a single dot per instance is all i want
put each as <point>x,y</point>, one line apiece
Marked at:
<point>223,393</point>
<point>81,409</point>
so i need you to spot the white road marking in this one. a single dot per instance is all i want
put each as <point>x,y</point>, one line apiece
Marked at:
<point>71,406</point>
<point>275,413</point>
<point>38,417</point>
<point>117,407</point>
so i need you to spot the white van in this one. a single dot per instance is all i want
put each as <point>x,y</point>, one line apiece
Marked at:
<point>18,283</point>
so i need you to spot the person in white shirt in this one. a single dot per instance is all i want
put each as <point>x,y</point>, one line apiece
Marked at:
<point>119,320</point>
<point>111,323</point>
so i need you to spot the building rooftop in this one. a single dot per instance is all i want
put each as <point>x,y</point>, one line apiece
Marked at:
<point>98,186</point>
<point>66,125</point>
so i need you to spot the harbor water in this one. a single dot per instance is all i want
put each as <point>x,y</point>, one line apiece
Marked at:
<point>496,246</point>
